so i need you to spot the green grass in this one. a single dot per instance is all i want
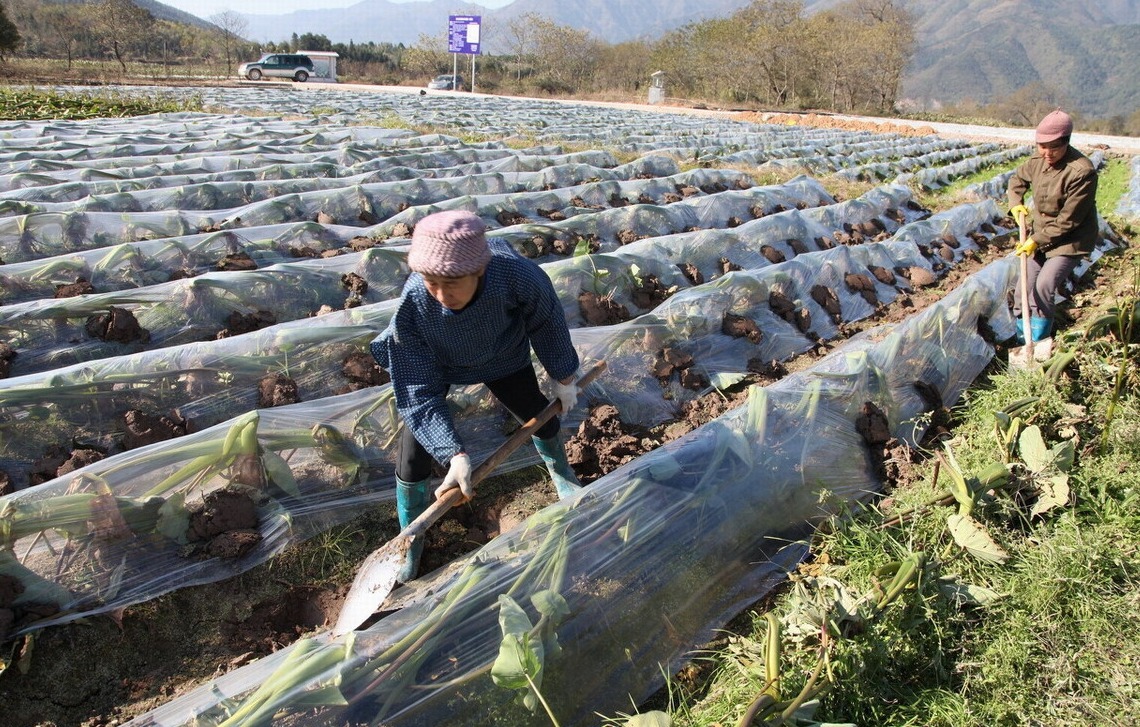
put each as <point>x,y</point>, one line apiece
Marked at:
<point>947,196</point>
<point>1112,183</point>
<point>30,104</point>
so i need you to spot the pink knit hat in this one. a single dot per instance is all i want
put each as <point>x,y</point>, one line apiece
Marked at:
<point>450,245</point>
<point>1056,125</point>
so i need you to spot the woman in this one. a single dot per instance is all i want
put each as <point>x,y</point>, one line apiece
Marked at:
<point>1064,226</point>
<point>470,313</point>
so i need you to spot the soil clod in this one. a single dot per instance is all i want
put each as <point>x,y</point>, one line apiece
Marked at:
<point>118,325</point>
<point>276,390</point>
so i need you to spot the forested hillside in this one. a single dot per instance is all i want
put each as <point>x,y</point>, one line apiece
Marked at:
<point>1078,54</point>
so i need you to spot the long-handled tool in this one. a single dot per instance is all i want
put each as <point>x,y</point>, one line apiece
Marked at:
<point>377,575</point>
<point>1023,356</point>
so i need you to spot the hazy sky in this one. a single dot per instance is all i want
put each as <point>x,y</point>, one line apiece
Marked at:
<point>206,8</point>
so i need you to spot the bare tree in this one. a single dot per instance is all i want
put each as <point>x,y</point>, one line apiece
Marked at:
<point>886,43</point>
<point>232,28</point>
<point>565,57</point>
<point>427,57</point>
<point>521,41</point>
<point>121,25</point>
<point>774,44</point>
<point>65,24</point>
<point>9,35</point>
<point>623,67</point>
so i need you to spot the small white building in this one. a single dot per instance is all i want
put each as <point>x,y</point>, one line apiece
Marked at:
<point>656,87</point>
<point>324,64</point>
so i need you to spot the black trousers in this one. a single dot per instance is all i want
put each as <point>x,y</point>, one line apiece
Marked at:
<point>518,392</point>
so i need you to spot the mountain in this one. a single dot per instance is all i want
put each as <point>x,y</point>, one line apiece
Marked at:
<point>383,22</point>
<point>984,50</point>
<point>967,49</point>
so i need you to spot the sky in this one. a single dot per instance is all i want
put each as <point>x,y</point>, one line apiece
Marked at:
<point>205,8</point>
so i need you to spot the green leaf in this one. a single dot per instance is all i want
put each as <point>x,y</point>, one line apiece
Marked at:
<point>551,604</point>
<point>1033,451</point>
<point>323,696</point>
<point>519,657</point>
<point>963,494</point>
<point>650,719</point>
<point>1063,455</point>
<point>969,534</point>
<point>1003,420</point>
<point>515,661</point>
<point>173,518</point>
<point>725,381</point>
<point>1054,493</point>
<point>280,473</point>
<point>967,594</point>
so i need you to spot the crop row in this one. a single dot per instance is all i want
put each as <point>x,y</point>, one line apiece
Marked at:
<point>290,426</point>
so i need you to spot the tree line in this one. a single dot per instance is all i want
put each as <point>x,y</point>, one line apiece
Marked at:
<point>847,58</point>
<point>121,32</point>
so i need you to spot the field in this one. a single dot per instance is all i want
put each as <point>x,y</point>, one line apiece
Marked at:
<point>198,448</point>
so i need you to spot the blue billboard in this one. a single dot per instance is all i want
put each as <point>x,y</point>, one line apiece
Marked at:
<point>463,34</point>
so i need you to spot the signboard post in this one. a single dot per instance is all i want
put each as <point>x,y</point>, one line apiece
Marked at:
<point>463,37</point>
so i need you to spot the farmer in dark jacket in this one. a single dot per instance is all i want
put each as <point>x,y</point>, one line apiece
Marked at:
<point>470,313</point>
<point>1064,221</point>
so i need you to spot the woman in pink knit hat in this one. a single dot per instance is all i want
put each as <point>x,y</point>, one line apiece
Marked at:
<point>1063,227</point>
<point>470,313</point>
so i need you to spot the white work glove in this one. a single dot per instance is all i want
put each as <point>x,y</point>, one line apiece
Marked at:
<point>567,393</point>
<point>458,475</point>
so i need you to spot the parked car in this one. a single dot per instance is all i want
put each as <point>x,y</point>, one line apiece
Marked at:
<point>278,65</point>
<point>446,82</point>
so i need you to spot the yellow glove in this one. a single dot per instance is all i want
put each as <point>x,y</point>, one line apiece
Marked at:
<point>1019,212</point>
<point>1027,248</point>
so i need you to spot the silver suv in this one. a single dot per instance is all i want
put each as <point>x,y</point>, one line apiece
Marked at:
<point>446,82</point>
<point>278,65</point>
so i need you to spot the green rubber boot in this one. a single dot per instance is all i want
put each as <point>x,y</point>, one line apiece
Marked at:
<point>411,501</point>
<point>554,455</point>
<point>1039,327</point>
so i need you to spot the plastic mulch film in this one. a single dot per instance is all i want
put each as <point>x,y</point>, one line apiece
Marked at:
<point>992,188</point>
<point>841,154</point>
<point>1129,205</point>
<point>639,275</point>
<point>510,208</point>
<point>148,262</point>
<point>865,165</point>
<point>938,177</point>
<point>77,180</point>
<point>196,385</point>
<point>42,234</point>
<point>175,193</point>
<point>191,386</point>
<point>199,384</point>
<point>613,588</point>
<point>130,527</point>
<point>713,334</point>
<point>674,210</point>
<point>293,468</point>
<point>153,262</point>
<point>51,333</point>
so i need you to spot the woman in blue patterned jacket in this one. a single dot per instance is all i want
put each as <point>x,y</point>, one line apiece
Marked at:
<point>470,313</point>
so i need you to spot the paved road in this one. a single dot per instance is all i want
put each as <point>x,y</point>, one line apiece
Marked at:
<point>1118,144</point>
